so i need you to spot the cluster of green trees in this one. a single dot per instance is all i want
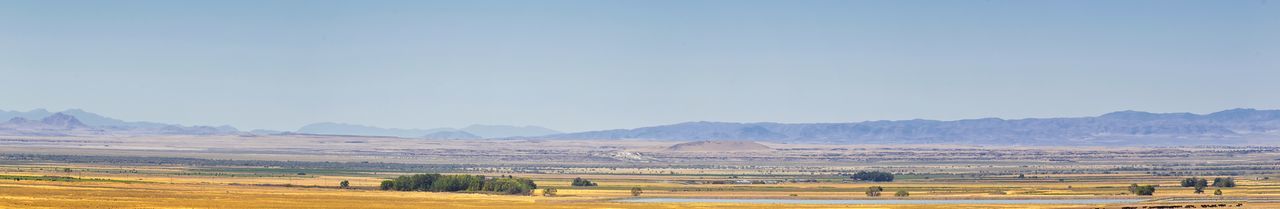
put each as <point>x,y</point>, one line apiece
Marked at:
<point>1217,182</point>
<point>1191,182</point>
<point>579,182</point>
<point>1147,190</point>
<point>878,176</point>
<point>1200,184</point>
<point>1224,182</point>
<point>456,183</point>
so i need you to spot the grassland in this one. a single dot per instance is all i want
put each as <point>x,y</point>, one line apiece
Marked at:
<point>198,174</point>
<point>89,186</point>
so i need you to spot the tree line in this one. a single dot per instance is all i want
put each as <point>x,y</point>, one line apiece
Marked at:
<point>460,183</point>
<point>1200,184</point>
<point>878,176</point>
<point>1217,182</point>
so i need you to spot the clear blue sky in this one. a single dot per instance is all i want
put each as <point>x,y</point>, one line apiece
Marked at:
<point>583,65</point>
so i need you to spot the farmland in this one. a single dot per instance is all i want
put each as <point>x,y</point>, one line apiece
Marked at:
<point>304,171</point>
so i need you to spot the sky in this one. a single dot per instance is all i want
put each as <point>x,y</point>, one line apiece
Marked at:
<point>589,65</point>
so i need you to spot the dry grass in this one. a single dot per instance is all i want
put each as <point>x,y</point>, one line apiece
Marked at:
<point>232,186</point>
<point>38,194</point>
<point>161,190</point>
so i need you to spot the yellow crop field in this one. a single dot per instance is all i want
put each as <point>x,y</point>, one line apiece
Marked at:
<point>40,194</point>
<point>103,187</point>
<point>795,176</point>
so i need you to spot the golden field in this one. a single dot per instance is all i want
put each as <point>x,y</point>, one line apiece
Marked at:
<point>34,194</point>
<point>167,187</point>
<point>304,172</point>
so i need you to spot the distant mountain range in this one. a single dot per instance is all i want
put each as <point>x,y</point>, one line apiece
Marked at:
<point>469,132</point>
<point>57,121</point>
<point>1234,126</point>
<point>362,130</point>
<point>451,135</point>
<point>75,121</point>
<point>88,118</point>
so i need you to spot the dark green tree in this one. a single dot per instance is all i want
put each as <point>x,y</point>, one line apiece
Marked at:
<point>387,185</point>
<point>344,184</point>
<point>508,186</point>
<point>1224,182</point>
<point>1189,182</point>
<point>1200,185</point>
<point>877,176</point>
<point>579,182</point>
<point>635,191</point>
<point>1147,190</point>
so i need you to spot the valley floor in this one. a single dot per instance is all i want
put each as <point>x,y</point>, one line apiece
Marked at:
<point>32,194</point>
<point>221,172</point>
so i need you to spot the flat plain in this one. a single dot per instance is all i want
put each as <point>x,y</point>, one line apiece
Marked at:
<point>303,171</point>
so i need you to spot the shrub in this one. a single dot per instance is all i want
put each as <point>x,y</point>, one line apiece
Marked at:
<point>902,193</point>
<point>874,191</point>
<point>549,192</point>
<point>1147,190</point>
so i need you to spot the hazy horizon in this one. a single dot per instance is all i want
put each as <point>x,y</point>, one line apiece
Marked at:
<point>614,128</point>
<point>586,65</point>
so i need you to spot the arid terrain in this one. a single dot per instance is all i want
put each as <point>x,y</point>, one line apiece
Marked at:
<point>304,171</point>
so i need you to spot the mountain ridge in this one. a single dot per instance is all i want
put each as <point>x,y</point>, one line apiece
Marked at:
<point>472,131</point>
<point>80,121</point>
<point>1111,128</point>
<point>1232,126</point>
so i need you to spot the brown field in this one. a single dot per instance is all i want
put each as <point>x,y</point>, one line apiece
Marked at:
<point>304,171</point>
<point>123,195</point>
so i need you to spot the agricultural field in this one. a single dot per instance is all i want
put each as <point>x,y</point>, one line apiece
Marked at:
<point>199,172</point>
